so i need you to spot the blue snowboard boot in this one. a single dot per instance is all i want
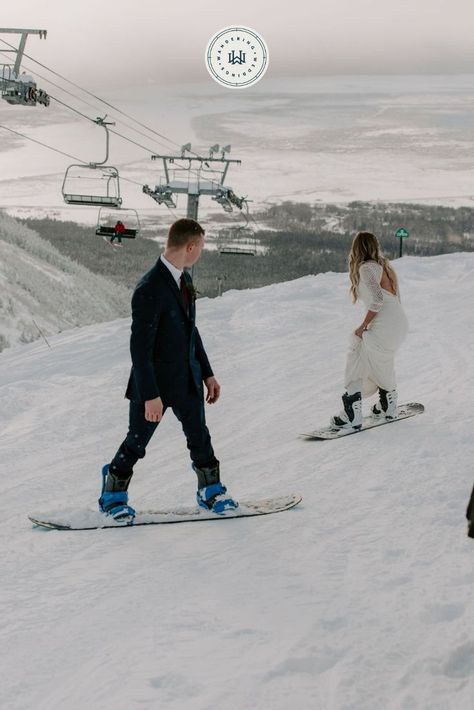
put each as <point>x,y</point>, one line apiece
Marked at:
<point>113,499</point>
<point>211,494</point>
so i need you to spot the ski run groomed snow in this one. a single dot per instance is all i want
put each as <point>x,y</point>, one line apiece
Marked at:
<point>361,598</point>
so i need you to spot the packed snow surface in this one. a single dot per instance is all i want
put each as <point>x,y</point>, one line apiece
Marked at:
<point>360,598</point>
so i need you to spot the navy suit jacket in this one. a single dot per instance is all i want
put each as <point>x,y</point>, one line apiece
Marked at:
<point>168,357</point>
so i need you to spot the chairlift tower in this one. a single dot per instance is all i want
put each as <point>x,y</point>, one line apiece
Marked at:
<point>224,195</point>
<point>16,88</point>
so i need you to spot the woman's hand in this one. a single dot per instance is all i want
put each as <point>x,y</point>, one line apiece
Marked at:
<point>359,331</point>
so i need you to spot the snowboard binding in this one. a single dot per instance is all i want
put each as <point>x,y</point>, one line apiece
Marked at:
<point>212,494</point>
<point>113,499</point>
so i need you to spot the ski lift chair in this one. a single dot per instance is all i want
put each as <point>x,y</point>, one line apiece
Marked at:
<point>237,251</point>
<point>80,186</point>
<point>17,92</point>
<point>85,176</point>
<point>108,218</point>
<point>239,242</point>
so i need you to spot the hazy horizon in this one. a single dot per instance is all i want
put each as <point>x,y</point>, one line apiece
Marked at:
<point>407,139</point>
<point>121,42</point>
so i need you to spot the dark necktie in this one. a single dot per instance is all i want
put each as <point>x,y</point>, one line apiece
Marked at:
<point>184,292</point>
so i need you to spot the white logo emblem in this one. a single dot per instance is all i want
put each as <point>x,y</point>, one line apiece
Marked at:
<point>237,57</point>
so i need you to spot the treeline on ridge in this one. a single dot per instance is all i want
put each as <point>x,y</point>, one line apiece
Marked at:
<point>294,240</point>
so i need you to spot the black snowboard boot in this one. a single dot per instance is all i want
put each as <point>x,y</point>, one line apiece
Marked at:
<point>387,405</point>
<point>351,416</point>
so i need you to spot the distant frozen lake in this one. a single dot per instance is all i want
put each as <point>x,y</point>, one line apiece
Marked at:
<point>333,139</point>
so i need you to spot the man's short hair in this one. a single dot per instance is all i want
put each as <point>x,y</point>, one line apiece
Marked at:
<point>183,231</point>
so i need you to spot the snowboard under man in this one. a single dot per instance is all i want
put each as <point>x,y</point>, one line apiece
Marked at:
<point>169,367</point>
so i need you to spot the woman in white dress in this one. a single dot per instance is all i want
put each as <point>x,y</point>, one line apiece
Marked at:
<point>370,360</point>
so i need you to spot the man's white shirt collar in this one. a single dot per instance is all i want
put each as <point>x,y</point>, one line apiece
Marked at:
<point>175,272</point>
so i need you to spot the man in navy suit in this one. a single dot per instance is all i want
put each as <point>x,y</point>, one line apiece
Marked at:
<point>169,368</point>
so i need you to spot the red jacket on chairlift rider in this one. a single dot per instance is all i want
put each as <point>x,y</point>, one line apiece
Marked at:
<point>119,230</point>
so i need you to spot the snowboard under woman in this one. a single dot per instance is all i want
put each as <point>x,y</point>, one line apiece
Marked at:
<point>370,359</point>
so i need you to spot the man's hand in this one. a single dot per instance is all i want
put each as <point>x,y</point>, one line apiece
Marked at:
<point>153,409</point>
<point>213,390</point>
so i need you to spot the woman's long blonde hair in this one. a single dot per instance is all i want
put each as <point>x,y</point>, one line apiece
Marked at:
<point>365,247</point>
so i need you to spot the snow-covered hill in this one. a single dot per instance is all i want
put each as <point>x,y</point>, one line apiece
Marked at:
<point>359,599</point>
<point>43,291</point>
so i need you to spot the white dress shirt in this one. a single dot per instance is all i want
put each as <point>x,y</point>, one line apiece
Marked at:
<point>175,272</point>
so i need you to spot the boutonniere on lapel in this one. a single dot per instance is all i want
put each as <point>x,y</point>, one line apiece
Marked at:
<point>192,291</point>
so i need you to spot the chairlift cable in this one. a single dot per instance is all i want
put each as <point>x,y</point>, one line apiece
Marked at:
<point>71,108</point>
<point>127,125</point>
<point>152,130</point>
<point>111,130</point>
<point>45,145</point>
<point>61,152</point>
<point>130,140</point>
<point>149,150</point>
<point>169,140</point>
<point>78,98</point>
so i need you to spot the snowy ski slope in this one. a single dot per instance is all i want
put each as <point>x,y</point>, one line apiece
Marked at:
<point>361,598</point>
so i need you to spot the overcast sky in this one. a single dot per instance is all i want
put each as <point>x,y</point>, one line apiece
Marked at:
<point>121,41</point>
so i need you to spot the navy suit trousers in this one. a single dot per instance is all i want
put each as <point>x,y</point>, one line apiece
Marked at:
<point>192,417</point>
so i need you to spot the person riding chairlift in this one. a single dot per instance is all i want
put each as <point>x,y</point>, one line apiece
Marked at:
<point>119,230</point>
